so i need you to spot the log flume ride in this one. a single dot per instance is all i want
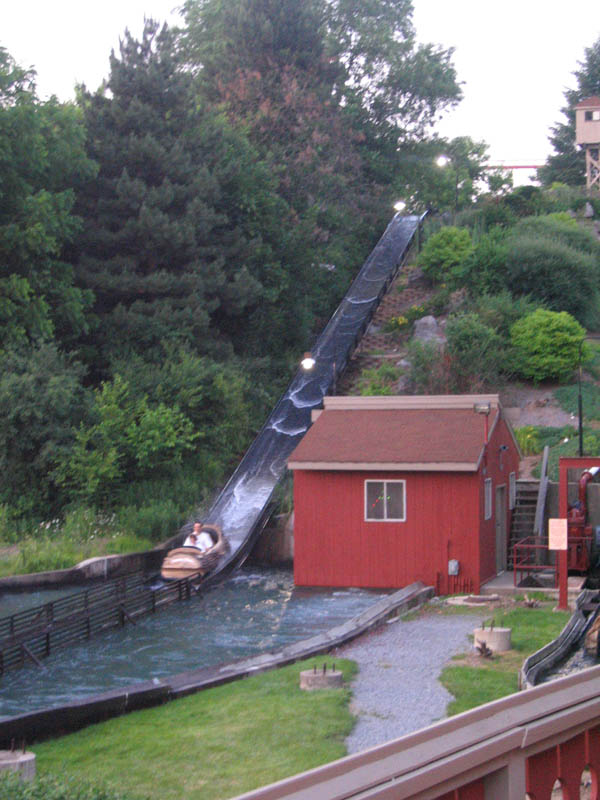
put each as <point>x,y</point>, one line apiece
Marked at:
<point>244,506</point>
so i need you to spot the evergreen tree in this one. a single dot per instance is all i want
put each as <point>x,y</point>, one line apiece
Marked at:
<point>567,165</point>
<point>173,245</point>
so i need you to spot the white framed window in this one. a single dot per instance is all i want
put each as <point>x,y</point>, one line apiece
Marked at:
<point>385,501</point>
<point>512,490</point>
<point>487,498</point>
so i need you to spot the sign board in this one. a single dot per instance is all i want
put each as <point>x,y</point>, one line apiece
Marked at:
<point>557,534</point>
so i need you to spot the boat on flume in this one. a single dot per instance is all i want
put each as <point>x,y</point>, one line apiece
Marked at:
<point>193,562</point>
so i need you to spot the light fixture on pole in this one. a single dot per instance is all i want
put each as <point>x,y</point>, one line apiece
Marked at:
<point>307,362</point>
<point>399,205</point>
<point>580,400</point>
<point>443,161</point>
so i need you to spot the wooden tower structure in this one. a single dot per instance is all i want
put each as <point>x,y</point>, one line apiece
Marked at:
<point>587,127</point>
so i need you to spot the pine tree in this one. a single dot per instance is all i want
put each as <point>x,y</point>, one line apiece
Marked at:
<point>567,165</point>
<point>173,247</point>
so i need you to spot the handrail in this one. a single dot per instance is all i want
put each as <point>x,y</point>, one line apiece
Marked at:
<point>540,508</point>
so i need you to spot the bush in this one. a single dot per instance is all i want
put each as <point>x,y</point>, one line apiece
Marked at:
<point>546,345</point>
<point>484,269</point>
<point>156,521</point>
<point>47,788</point>
<point>554,273</point>
<point>429,368</point>
<point>500,311</point>
<point>528,439</point>
<point>379,380</point>
<point>396,324</point>
<point>475,352</point>
<point>444,252</point>
<point>560,227</point>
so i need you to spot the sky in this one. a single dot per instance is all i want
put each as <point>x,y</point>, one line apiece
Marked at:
<point>514,58</point>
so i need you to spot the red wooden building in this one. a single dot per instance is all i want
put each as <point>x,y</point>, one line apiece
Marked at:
<point>390,490</point>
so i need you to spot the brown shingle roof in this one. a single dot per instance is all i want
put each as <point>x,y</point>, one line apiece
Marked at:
<point>589,102</point>
<point>451,438</point>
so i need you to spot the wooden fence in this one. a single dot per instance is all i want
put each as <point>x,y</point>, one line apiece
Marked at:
<point>35,633</point>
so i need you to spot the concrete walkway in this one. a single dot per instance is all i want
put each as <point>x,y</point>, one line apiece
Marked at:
<point>397,689</point>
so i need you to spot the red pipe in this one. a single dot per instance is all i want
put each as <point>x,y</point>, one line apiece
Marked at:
<point>586,476</point>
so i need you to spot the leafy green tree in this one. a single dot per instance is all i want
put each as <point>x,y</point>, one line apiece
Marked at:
<point>546,345</point>
<point>567,165</point>
<point>127,440</point>
<point>398,82</point>
<point>223,401</point>
<point>444,252</point>
<point>440,174</point>
<point>294,76</point>
<point>41,401</point>
<point>42,162</point>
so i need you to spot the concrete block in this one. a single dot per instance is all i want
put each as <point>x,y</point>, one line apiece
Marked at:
<point>497,639</point>
<point>20,761</point>
<point>311,679</point>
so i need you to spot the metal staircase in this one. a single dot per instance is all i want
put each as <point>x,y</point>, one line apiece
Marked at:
<point>523,515</point>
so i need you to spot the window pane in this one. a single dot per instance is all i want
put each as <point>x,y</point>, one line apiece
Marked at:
<point>375,500</point>
<point>395,500</point>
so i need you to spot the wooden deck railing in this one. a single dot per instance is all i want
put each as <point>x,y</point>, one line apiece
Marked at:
<point>35,633</point>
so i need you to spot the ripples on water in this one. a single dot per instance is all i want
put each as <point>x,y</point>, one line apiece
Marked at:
<point>257,610</point>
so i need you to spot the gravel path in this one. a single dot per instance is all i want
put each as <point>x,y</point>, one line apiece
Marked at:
<point>397,689</point>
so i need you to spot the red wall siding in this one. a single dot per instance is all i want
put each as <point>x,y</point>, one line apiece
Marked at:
<point>335,546</point>
<point>500,476</point>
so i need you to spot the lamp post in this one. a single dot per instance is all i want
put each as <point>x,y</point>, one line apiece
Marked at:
<point>580,399</point>
<point>443,161</point>
<point>308,362</point>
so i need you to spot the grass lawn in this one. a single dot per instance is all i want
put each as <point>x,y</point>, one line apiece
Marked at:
<point>473,680</point>
<point>224,741</point>
<point>214,744</point>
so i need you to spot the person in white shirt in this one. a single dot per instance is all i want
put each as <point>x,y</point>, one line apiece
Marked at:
<point>199,539</point>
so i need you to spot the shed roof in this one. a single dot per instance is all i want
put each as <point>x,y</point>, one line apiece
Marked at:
<point>436,437</point>
<point>589,102</point>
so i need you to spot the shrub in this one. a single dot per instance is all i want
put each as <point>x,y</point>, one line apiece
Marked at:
<point>560,227</point>
<point>475,352</point>
<point>379,380</point>
<point>554,273</point>
<point>528,439</point>
<point>546,345</point>
<point>429,368</point>
<point>484,269</point>
<point>444,252</point>
<point>500,311</point>
<point>396,324</point>
<point>49,788</point>
<point>156,521</point>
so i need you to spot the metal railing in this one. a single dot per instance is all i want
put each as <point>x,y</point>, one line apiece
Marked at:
<point>528,557</point>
